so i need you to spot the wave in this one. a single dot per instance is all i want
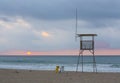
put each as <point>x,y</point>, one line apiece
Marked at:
<point>104,64</point>
<point>115,66</point>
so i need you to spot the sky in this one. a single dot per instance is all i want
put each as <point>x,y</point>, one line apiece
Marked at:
<point>48,26</point>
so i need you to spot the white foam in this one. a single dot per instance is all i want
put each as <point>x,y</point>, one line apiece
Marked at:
<point>67,67</point>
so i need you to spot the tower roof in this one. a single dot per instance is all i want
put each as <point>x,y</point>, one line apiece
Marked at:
<point>87,35</point>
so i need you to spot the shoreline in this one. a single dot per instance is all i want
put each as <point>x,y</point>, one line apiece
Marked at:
<point>44,76</point>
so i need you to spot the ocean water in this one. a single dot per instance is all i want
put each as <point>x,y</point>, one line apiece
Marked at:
<point>104,63</point>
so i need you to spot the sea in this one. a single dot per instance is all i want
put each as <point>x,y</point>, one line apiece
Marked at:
<point>103,63</point>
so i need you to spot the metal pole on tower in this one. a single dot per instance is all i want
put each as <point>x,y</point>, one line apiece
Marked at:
<point>76,25</point>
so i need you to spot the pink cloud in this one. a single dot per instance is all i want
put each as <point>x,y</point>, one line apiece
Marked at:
<point>108,52</point>
<point>64,52</point>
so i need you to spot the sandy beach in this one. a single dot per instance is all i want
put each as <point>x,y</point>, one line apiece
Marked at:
<point>27,76</point>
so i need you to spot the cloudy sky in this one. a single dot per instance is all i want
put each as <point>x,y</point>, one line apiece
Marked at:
<point>49,25</point>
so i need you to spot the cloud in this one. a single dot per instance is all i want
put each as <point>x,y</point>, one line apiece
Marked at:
<point>45,34</point>
<point>62,9</point>
<point>28,34</point>
<point>13,33</point>
<point>23,23</point>
<point>25,35</point>
<point>14,22</point>
<point>41,33</point>
<point>98,13</point>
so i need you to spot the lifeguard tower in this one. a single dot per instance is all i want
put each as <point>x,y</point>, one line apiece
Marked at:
<point>86,44</point>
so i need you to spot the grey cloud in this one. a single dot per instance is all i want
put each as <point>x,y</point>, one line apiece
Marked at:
<point>55,15</point>
<point>5,19</point>
<point>61,9</point>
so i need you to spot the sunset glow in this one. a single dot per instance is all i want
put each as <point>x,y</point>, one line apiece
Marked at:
<point>45,34</point>
<point>101,52</point>
<point>28,53</point>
